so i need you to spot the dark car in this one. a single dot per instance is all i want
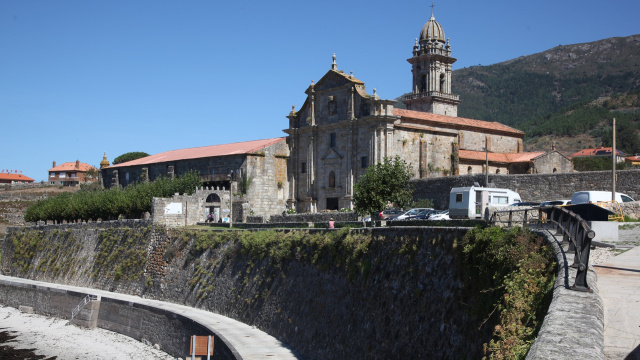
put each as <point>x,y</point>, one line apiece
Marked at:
<point>423,215</point>
<point>525,203</point>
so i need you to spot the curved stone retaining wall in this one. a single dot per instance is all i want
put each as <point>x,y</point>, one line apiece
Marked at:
<point>141,322</point>
<point>574,325</point>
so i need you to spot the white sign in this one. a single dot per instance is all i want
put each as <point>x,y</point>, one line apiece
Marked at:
<point>173,209</point>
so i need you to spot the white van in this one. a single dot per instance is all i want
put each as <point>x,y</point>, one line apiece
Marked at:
<point>593,197</point>
<point>471,202</point>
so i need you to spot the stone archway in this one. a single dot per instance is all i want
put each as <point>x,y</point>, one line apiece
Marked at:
<point>212,206</point>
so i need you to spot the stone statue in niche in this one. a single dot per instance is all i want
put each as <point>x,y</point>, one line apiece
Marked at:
<point>332,106</point>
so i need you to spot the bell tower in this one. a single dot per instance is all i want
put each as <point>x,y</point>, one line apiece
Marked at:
<point>431,69</point>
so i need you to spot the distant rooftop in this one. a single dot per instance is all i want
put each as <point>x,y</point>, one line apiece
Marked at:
<point>15,177</point>
<point>238,148</point>
<point>599,151</point>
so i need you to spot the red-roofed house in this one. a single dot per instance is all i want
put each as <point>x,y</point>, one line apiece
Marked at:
<point>262,163</point>
<point>601,152</point>
<point>633,160</point>
<point>70,174</point>
<point>341,129</point>
<point>14,178</point>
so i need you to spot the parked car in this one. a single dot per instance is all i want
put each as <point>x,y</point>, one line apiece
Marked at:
<point>593,197</point>
<point>423,215</point>
<point>443,215</point>
<point>389,213</point>
<point>410,213</point>
<point>555,203</point>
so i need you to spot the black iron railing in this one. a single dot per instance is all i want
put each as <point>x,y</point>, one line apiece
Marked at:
<point>571,226</point>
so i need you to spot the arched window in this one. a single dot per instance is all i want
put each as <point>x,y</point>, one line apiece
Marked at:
<point>332,179</point>
<point>423,83</point>
<point>497,171</point>
<point>469,170</point>
<point>441,89</point>
<point>555,170</point>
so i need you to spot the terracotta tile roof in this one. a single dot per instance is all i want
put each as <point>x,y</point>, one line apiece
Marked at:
<point>245,147</point>
<point>633,158</point>
<point>15,177</point>
<point>499,157</point>
<point>71,166</point>
<point>455,121</point>
<point>597,151</point>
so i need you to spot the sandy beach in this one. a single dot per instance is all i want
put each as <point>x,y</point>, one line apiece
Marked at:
<point>55,337</point>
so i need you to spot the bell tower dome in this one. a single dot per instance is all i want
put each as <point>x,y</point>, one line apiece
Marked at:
<point>431,69</point>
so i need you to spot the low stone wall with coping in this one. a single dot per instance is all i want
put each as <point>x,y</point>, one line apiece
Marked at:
<point>574,325</point>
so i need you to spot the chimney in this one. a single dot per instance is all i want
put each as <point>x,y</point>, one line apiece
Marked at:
<point>54,164</point>
<point>77,164</point>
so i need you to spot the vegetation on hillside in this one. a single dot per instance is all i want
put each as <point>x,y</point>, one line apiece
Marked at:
<point>134,155</point>
<point>509,276</point>
<point>130,202</point>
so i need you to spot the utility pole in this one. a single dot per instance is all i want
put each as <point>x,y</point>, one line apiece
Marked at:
<point>486,166</point>
<point>614,157</point>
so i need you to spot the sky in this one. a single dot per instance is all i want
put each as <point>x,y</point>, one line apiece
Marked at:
<point>82,78</point>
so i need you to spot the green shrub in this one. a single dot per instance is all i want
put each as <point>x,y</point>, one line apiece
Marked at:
<point>510,277</point>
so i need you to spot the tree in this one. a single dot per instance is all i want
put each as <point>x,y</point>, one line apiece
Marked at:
<point>129,156</point>
<point>383,183</point>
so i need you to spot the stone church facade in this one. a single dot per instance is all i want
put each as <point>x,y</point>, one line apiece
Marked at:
<point>340,130</point>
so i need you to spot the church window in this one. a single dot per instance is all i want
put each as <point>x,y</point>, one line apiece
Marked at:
<point>555,170</point>
<point>423,83</point>
<point>332,139</point>
<point>364,162</point>
<point>441,83</point>
<point>469,170</point>
<point>303,167</point>
<point>497,171</point>
<point>332,179</point>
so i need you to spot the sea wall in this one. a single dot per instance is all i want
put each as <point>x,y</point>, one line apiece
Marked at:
<point>395,300</point>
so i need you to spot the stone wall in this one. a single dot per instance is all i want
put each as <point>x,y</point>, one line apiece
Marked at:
<point>144,323</point>
<point>574,324</point>
<point>185,210</point>
<point>393,305</point>
<point>313,217</point>
<point>531,187</point>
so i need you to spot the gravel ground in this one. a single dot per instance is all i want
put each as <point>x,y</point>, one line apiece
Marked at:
<point>51,338</point>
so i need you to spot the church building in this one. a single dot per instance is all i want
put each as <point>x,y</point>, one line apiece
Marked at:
<point>340,130</point>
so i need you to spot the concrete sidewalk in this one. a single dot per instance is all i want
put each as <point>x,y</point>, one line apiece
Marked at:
<point>246,341</point>
<point>619,287</point>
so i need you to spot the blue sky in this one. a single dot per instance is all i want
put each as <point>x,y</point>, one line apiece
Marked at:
<point>80,78</point>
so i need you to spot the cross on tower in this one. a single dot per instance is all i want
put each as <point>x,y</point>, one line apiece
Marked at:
<point>432,6</point>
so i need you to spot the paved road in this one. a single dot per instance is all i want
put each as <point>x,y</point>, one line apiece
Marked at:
<point>619,286</point>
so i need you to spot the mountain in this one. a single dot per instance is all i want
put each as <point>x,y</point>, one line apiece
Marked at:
<point>567,94</point>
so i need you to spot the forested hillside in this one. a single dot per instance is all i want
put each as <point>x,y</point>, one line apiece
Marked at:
<point>567,94</point>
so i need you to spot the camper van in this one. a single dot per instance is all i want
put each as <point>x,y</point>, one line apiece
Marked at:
<point>471,202</point>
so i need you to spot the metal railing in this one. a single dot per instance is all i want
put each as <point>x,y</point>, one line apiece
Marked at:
<point>571,226</point>
<point>87,299</point>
